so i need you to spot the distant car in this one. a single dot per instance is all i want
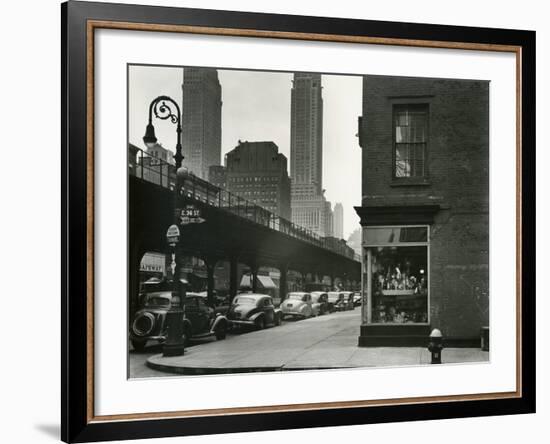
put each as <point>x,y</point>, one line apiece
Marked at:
<point>319,302</point>
<point>357,299</point>
<point>254,310</point>
<point>348,300</point>
<point>336,300</point>
<point>297,305</point>
<point>199,320</point>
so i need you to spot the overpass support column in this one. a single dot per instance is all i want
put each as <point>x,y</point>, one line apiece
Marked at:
<point>210,267</point>
<point>254,269</point>
<point>233,270</point>
<point>283,290</point>
<point>135,256</point>
<point>332,277</point>
<point>319,275</point>
<point>345,281</point>
<point>303,278</point>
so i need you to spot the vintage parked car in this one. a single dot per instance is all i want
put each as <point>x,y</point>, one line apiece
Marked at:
<point>199,320</point>
<point>319,302</point>
<point>336,300</point>
<point>357,299</point>
<point>297,305</point>
<point>348,300</point>
<point>254,310</point>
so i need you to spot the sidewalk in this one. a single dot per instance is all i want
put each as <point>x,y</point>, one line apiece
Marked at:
<point>324,342</point>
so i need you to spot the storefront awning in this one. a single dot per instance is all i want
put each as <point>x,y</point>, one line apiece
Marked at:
<point>263,281</point>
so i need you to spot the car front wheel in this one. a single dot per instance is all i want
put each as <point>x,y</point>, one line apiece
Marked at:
<point>278,319</point>
<point>186,336</point>
<point>138,345</point>
<point>260,323</point>
<point>221,331</point>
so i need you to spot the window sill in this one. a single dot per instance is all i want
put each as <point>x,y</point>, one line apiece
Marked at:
<point>410,183</point>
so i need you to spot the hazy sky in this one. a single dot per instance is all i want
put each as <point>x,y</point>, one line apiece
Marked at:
<point>256,107</point>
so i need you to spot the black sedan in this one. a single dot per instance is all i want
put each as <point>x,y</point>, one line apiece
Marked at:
<point>199,320</point>
<point>253,310</point>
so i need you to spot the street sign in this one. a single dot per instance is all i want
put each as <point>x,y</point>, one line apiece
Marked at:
<point>173,235</point>
<point>190,214</point>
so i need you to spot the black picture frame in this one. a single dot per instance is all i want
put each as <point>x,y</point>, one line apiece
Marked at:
<point>77,424</point>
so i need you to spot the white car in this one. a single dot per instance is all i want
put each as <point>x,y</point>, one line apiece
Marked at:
<point>297,305</point>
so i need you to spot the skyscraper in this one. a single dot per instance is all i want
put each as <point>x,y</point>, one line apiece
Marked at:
<point>309,206</point>
<point>306,135</point>
<point>201,120</point>
<point>338,221</point>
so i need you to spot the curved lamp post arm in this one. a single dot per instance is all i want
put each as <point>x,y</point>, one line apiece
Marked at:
<point>161,107</point>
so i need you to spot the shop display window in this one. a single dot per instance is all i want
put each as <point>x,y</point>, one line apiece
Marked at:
<point>399,284</point>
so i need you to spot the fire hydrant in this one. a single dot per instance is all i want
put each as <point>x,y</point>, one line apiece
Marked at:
<point>436,345</point>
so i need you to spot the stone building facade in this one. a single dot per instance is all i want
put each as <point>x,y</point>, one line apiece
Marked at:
<point>257,172</point>
<point>338,221</point>
<point>425,210</point>
<point>217,175</point>
<point>201,120</point>
<point>310,209</point>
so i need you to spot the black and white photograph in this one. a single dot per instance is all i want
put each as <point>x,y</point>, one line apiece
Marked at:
<point>275,222</point>
<point>305,221</point>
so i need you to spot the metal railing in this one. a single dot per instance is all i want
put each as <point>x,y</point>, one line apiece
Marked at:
<point>155,170</point>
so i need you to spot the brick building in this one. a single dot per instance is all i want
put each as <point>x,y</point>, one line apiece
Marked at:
<point>257,172</point>
<point>157,151</point>
<point>217,175</point>
<point>425,210</point>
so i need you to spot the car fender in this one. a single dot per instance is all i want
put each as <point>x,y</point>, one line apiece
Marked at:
<point>256,315</point>
<point>219,319</point>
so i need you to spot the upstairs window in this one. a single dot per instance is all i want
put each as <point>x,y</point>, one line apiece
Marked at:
<point>410,130</point>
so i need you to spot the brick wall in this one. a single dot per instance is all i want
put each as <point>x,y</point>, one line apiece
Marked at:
<point>457,180</point>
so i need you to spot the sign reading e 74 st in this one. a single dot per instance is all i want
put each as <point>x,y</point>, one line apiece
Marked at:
<point>190,214</point>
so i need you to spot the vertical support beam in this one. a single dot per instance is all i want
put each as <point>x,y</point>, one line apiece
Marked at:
<point>283,290</point>
<point>210,267</point>
<point>318,277</point>
<point>233,270</point>
<point>332,277</point>
<point>254,269</point>
<point>303,279</point>
<point>135,256</point>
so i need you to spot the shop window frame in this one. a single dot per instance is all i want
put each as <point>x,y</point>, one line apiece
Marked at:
<point>365,245</point>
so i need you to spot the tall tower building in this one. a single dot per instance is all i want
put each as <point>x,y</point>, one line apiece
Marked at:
<point>201,120</point>
<point>306,136</point>
<point>310,209</point>
<point>338,221</point>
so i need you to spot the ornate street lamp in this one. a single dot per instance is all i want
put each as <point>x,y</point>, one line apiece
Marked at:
<point>162,108</point>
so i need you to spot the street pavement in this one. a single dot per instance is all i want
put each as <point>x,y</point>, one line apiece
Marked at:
<point>328,341</point>
<point>138,360</point>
